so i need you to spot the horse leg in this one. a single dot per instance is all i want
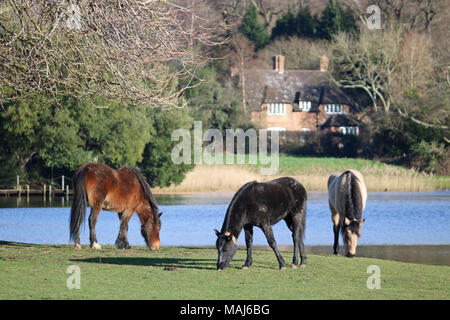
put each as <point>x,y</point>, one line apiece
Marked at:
<point>267,229</point>
<point>336,228</point>
<point>288,220</point>
<point>249,242</point>
<point>95,211</point>
<point>122,238</point>
<point>77,241</point>
<point>299,247</point>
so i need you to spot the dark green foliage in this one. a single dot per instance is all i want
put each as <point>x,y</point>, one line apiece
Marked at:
<point>332,21</point>
<point>301,24</point>
<point>40,139</point>
<point>331,144</point>
<point>156,163</point>
<point>254,31</point>
<point>406,142</point>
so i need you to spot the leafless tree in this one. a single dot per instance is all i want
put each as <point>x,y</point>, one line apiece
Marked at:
<point>420,93</point>
<point>270,10</point>
<point>242,52</point>
<point>390,66</point>
<point>367,63</point>
<point>118,49</point>
<point>412,14</point>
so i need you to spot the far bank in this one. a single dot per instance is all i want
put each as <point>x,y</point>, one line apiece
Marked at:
<point>312,172</point>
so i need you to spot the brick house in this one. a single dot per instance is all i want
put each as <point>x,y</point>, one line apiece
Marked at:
<point>298,100</point>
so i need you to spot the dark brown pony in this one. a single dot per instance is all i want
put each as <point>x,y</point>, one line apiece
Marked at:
<point>125,191</point>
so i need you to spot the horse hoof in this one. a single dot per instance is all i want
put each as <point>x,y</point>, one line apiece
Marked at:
<point>244,267</point>
<point>96,246</point>
<point>294,266</point>
<point>282,268</point>
<point>303,265</point>
<point>77,247</point>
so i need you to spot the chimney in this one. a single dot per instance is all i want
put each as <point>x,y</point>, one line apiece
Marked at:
<point>324,63</point>
<point>278,63</point>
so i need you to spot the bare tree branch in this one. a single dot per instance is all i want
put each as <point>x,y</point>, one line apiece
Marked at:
<point>121,49</point>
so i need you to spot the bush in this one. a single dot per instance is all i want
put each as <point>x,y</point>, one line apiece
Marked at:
<point>330,144</point>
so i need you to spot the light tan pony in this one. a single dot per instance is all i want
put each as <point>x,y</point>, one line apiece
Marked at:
<point>347,195</point>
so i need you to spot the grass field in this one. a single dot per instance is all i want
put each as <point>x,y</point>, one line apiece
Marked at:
<point>39,272</point>
<point>313,173</point>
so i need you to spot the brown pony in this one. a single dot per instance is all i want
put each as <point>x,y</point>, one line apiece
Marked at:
<point>125,191</point>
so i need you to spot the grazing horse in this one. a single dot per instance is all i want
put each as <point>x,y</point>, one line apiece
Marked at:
<point>263,205</point>
<point>125,191</point>
<point>347,197</point>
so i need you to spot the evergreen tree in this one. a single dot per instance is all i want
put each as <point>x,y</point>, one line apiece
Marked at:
<point>334,20</point>
<point>252,29</point>
<point>157,164</point>
<point>286,26</point>
<point>306,25</point>
<point>330,21</point>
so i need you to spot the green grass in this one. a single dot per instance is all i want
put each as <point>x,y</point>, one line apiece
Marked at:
<point>292,164</point>
<point>39,272</point>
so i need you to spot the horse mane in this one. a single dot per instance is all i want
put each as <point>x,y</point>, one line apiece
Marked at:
<point>147,193</point>
<point>354,198</point>
<point>226,222</point>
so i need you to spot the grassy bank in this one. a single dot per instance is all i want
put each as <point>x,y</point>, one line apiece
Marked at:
<point>313,173</point>
<point>39,272</point>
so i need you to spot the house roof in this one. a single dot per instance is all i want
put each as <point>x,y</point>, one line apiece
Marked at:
<point>266,86</point>
<point>338,120</point>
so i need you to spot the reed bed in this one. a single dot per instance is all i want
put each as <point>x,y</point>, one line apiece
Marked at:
<point>313,173</point>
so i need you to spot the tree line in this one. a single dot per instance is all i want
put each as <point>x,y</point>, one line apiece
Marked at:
<point>118,99</point>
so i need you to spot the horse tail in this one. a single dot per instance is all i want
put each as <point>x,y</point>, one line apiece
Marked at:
<point>302,197</point>
<point>354,197</point>
<point>148,194</point>
<point>79,203</point>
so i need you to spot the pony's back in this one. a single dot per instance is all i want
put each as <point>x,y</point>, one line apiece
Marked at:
<point>347,192</point>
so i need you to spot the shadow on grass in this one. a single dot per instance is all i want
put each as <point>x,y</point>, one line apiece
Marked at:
<point>170,264</point>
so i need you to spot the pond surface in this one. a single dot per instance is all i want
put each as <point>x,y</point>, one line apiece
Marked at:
<point>393,220</point>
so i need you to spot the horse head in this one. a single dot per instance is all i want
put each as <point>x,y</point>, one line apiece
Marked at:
<point>150,232</point>
<point>351,233</point>
<point>226,247</point>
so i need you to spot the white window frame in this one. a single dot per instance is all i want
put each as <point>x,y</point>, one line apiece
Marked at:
<point>349,130</point>
<point>305,129</point>
<point>305,105</point>
<point>334,108</point>
<point>276,108</point>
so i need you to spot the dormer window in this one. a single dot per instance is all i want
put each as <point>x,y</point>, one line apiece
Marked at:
<point>276,108</point>
<point>304,105</point>
<point>333,108</point>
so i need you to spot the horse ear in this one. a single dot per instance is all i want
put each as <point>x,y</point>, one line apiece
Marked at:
<point>160,214</point>
<point>362,222</point>
<point>347,221</point>
<point>217,232</point>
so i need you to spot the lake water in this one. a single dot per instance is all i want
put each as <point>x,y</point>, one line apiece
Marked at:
<point>393,220</point>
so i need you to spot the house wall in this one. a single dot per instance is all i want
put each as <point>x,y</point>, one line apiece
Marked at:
<point>291,121</point>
